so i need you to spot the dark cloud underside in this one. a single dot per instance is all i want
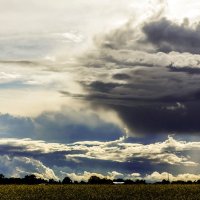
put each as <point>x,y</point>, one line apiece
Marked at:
<point>148,81</point>
<point>168,36</point>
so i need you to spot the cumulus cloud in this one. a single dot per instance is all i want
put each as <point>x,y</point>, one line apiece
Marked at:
<point>156,176</point>
<point>168,36</point>
<point>80,160</point>
<point>153,177</point>
<point>86,175</point>
<point>121,152</point>
<point>21,166</point>
<point>118,150</point>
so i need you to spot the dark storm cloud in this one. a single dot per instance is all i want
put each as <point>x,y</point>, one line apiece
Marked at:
<point>155,105</point>
<point>161,118</point>
<point>103,87</point>
<point>186,69</point>
<point>168,36</point>
<point>152,85</point>
<point>121,76</point>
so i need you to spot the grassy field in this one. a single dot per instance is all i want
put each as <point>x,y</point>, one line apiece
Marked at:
<point>107,192</point>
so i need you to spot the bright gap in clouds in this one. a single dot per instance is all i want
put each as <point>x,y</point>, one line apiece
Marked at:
<point>181,9</point>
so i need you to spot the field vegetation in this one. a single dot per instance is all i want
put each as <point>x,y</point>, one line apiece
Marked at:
<point>98,192</point>
<point>33,188</point>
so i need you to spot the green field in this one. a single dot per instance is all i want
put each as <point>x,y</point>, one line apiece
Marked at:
<point>107,192</point>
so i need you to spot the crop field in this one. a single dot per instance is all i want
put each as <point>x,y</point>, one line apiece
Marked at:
<point>107,192</point>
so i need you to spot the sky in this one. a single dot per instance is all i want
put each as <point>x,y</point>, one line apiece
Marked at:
<point>106,88</point>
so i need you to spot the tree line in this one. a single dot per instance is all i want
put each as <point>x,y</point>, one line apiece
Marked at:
<point>32,180</point>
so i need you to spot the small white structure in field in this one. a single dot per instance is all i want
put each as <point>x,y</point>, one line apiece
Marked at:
<point>118,183</point>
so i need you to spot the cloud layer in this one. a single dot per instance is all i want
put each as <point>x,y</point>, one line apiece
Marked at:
<point>148,74</point>
<point>119,157</point>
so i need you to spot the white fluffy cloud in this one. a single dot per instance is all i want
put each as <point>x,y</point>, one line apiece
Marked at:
<point>119,150</point>
<point>110,175</point>
<point>21,166</point>
<point>156,176</point>
<point>25,154</point>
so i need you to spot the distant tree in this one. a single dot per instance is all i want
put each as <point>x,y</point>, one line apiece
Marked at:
<point>30,179</point>
<point>106,181</point>
<point>2,179</point>
<point>189,182</point>
<point>82,182</point>
<point>2,176</point>
<point>140,181</point>
<point>52,181</point>
<point>128,181</point>
<point>66,180</point>
<point>94,180</point>
<point>165,182</point>
<point>178,182</point>
<point>13,180</point>
<point>119,180</point>
<point>98,180</point>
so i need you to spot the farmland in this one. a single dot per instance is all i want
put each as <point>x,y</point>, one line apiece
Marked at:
<point>96,192</point>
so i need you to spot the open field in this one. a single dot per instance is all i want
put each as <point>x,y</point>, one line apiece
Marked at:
<point>107,192</point>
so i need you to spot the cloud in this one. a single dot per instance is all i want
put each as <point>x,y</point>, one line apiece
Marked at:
<point>21,166</point>
<point>86,175</point>
<point>156,176</point>
<point>67,126</point>
<point>130,75</point>
<point>50,29</point>
<point>37,47</point>
<point>153,177</point>
<point>168,36</point>
<point>142,83</point>
<point>117,151</point>
<point>121,152</point>
<point>80,160</point>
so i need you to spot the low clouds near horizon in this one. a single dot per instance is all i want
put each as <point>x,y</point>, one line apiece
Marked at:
<point>118,158</point>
